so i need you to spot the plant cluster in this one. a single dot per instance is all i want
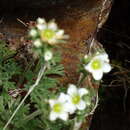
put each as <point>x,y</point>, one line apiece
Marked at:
<point>32,97</point>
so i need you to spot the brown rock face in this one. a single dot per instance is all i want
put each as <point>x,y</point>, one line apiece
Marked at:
<point>78,18</point>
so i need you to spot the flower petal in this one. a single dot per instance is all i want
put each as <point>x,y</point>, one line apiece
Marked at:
<point>53,116</point>
<point>41,21</point>
<point>88,67</point>
<point>69,107</point>
<point>64,116</point>
<point>59,34</point>
<point>48,55</point>
<point>52,26</point>
<point>41,26</point>
<point>97,75</point>
<point>106,67</point>
<point>37,43</point>
<point>52,41</point>
<point>72,89</point>
<point>62,98</point>
<point>81,105</point>
<point>103,57</point>
<point>52,102</point>
<point>33,32</point>
<point>88,103</point>
<point>82,91</point>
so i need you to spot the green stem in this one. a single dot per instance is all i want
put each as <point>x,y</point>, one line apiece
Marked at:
<point>77,125</point>
<point>81,78</point>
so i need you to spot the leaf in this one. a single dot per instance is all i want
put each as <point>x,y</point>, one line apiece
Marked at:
<point>57,70</point>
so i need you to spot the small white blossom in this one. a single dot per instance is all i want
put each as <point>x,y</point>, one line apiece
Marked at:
<point>33,32</point>
<point>98,65</point>
<point>86,57</point>
<point>37,43</point>
<point>40,21</point>
<point>59,108</point>
<point>48,55</point>
<point>52,25</point>
<point>49,32</point>
<point>41,26</point>
<point>75,100</point>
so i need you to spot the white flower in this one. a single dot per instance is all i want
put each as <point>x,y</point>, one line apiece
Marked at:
<point>49,32</point>
<point>37,43</point>
<point>48,55</point>
<point>99,65</point>
<point>75,100</point>
<point>33,33</point>
<point>86,57</point>
<point>52,25</point>
<point>41,26</point>
<point>40,21</point>
<point>59,108</point>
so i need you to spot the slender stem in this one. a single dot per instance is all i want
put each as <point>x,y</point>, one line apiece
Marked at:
<point>95,106</point>
<point>91,45</point>
<point>81,76</point>
<point>40,74</point>
<point>78,124</point>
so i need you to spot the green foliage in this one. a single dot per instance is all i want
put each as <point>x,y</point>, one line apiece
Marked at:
<point>31,92</point>
<point>8,69</point>
<point>34,112</point>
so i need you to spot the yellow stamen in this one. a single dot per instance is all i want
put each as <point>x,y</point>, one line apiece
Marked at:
<point>96,64</point>
<point>47,34</point>
<point>57,107</point>
<point>76,99</point>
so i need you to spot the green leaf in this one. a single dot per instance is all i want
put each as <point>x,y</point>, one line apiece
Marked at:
<point>56,70</point>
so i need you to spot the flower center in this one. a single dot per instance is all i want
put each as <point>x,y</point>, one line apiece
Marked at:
<point>96,64</point>
<point>76,99</point>
<point>47,34</point>
<point>57,107</point>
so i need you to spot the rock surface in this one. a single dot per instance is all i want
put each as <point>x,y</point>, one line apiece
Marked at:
<point>78,18</point>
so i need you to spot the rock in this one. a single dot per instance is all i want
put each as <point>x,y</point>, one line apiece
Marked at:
<point>78,18</point>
